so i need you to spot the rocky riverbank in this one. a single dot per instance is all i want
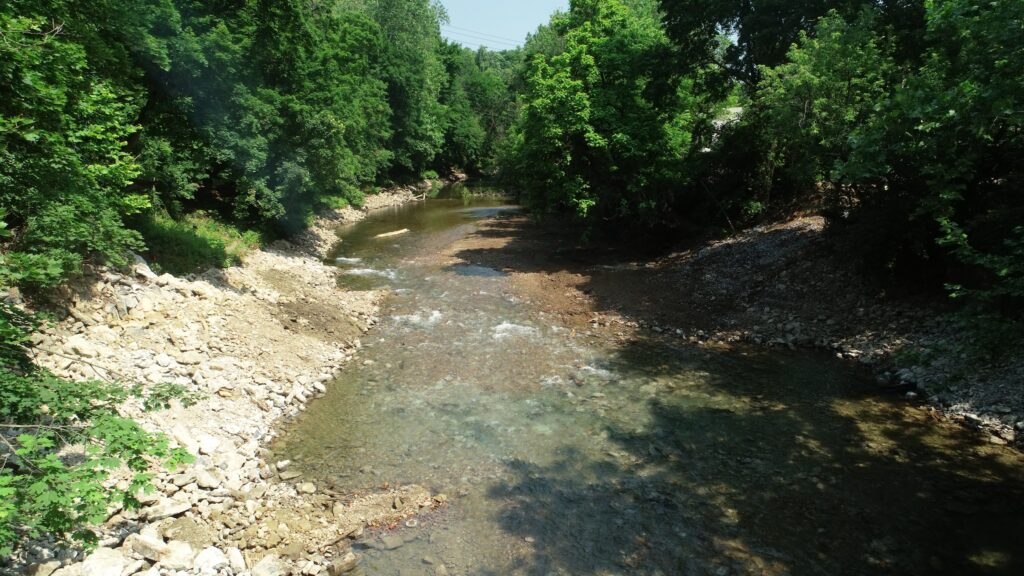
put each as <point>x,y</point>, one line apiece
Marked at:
<point>256,342</point>
<point>775,285</point>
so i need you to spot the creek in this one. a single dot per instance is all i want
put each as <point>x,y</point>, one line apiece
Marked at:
<point>571,452</point>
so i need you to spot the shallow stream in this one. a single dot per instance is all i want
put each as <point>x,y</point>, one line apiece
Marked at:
<point>566,452</point>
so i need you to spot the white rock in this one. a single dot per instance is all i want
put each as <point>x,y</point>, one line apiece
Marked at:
<point>148,547</point>
<point>72,570</point>
<point>141,268</point>
<point>190,358</point>
<point>208,444</point>
<point>185,438</point>
<point>45,569</point>
<point>80,345</point>
<point>104,562</point>
<point>134,567</point>
<point>234,460</point>
<point>209,479</point>
<point>179,555</point>
<point>167,509</point>
<point>236,559</point>
<point>270,566</point>
<point>210,560</point>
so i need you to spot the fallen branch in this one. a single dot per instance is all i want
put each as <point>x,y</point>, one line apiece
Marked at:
<point>395,233</point>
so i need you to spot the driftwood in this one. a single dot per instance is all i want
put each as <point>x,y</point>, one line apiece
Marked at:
<point>395,233</point>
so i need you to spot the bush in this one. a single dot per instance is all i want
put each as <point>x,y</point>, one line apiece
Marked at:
<point>61,441</point>
<point>195,243</point>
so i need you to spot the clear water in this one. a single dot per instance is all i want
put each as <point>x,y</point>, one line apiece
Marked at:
<point>576,453</point>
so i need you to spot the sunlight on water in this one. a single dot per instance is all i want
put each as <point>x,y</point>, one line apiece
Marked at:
<point>569,454</point>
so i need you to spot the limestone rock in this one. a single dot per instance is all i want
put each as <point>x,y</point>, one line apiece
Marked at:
<point>210,560</point>
<point>208,478</point>
<point>146,546</point>
<point>343,565</point>
<point>271,565</point>
<point>236,559</point>
<point>179,555</point>
<point>82,346</point>
<point>167,509</point>
<point>44,569</point>
<point>104,562</point>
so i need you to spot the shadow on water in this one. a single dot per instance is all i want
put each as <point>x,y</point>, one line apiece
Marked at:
<point>777,468</point>
<point>773,463</point>
<point>570,453</point>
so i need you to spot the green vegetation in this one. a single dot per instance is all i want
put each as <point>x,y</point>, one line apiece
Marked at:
<point>190,131</point>
<point>902,120</point>
<point>42,492</point>
<point>194,243</point>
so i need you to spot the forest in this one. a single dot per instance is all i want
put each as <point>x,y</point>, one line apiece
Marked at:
<point>183,129</point>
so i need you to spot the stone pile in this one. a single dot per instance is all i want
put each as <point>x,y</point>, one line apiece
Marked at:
<point>255,343</point>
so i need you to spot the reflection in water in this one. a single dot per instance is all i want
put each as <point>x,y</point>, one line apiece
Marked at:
<point>568,453</point>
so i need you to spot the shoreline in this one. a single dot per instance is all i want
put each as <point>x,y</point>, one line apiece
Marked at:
<point>257,341</point>
<point>776,285</point>
<point>263,339</point>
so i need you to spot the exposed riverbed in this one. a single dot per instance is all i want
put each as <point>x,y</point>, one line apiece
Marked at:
<point>569,449</point>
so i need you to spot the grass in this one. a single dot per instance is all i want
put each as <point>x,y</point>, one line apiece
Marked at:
<point>195,243</point>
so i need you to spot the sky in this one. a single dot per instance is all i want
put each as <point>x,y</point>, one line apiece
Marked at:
<point>496,24</point>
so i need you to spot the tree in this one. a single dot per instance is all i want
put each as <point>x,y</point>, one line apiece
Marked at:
<point>601,134</point>
<point>414,75</point>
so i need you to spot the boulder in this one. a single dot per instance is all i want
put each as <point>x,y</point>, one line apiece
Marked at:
<point>148,547</point>
<point>104,562</point>
<point>179,555</point>
<point>167,509</point>
<point>271,565</point>
<point>210,560</point>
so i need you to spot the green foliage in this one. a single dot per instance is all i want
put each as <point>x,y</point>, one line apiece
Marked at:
<point>601,133</point>
<point>479,107</point>
<point>64,167</point>
<point>942,155</point>
<point>195,243</point>
<point>810,105</point>
<point>414,75</point>
<point>61,441</point>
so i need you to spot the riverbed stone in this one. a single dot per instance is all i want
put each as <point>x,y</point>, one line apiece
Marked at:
<point>270,565</point>
<point>210,560</point>
<point>45,568</point>
<point>236,559</point>
<point>208,478</point>
<point>391,541</point>
<point>81,345</point>
<point>343,565</point>
<point>104,562</point>
<point>148,547</point>
<point>167,509</point>
<point>180,555</point>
